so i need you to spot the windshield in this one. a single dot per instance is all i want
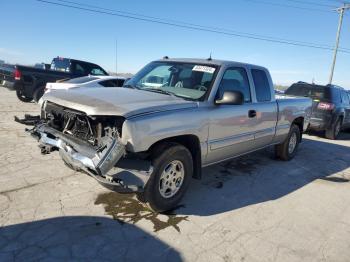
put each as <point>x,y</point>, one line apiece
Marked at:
<point>60,64</point>
<point>186,80</point>
<point>81,80</point>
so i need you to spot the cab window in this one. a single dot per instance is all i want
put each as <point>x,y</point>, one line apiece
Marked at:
<point>262,86</point>
<point>345,98</point>
<point>235,79</point>
<point>79,69</point>
<point>97,72</point>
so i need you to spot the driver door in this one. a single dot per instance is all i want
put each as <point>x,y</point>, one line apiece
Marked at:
<point>232,127</point>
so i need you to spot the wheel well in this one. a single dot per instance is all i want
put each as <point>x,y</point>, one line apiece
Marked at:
<point>40,85</point>
<point>300,123</point>
<point>191,142</point>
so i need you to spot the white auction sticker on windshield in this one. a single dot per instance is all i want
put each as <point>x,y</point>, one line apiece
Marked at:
<point>205,69</point>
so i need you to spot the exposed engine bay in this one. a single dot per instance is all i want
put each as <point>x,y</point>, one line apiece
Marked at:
<point>85,143</point>
<point>93,130</point>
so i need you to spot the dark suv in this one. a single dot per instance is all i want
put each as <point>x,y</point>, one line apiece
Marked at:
<point>330,109</point>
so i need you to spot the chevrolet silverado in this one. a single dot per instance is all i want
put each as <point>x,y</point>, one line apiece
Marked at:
<point>173,117</point>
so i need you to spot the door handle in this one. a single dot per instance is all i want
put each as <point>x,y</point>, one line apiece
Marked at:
<point>252,113</point>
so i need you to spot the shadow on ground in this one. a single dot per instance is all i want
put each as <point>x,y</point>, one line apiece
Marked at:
<point>248,180</point>
<point>258,177</point>
<point>81,238</point>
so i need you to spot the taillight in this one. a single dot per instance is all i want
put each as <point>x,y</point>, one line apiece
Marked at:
<point>325,106</point>
<point>17,74</point>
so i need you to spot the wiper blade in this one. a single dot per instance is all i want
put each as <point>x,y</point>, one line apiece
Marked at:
<point>130,86</point>
<point>160,91</point>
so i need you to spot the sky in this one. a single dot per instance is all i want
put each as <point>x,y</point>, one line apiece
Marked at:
<point>34,31</point>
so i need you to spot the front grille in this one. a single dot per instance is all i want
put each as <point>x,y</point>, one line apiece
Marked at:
<point>69,121</point>
<point>81,126</point>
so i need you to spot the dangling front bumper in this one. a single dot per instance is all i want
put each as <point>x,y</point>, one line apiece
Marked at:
<point>108,165</point>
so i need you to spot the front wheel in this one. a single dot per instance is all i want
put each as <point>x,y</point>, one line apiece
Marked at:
<point>288,149</point>
<point>172,171</point>
<point>22,97</point>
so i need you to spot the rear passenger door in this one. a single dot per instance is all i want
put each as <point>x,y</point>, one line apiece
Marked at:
<point>265,108</point>
<point>346,104</point>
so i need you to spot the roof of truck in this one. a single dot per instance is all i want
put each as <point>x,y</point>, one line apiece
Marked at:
<point>216,62</point>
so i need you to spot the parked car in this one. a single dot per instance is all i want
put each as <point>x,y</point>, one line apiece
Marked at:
<point>152,140</point>
<point>6,75</point>
<point>330,109</point>
<point>86,82</point>
<point>29,82</point>
<point>279,92</point>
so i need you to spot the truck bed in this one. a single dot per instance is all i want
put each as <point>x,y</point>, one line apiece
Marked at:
<point>288,108</point>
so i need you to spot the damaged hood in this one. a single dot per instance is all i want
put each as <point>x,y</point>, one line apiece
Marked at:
<point>124,102</point>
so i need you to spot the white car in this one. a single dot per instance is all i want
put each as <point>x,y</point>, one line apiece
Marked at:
<point>86,82</point>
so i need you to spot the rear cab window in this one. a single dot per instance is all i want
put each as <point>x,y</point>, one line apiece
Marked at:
<point>262,86</point>
<point>60,64</point>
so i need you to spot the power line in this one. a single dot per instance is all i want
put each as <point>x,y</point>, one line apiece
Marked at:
<point>312,3</point>
<point>289,6</point>
<point>199,26</point>
<point>186,25</point>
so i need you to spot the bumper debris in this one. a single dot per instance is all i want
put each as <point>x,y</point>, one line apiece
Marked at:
<point>100,163</point>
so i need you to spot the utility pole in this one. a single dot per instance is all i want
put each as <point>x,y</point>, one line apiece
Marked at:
<point>341,11</point>
<point>116,56</point>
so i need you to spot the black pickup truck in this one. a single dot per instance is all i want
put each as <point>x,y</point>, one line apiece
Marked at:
<point>29,82</point>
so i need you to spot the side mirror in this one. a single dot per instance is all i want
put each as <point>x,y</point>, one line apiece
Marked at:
<point>230,98</point>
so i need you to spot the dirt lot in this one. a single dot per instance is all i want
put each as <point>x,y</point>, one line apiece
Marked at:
<point>250,209</point>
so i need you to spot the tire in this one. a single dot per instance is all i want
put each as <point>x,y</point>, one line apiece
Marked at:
<point>288,149</point>
<point>177,160</point>
<point>334,131</point>
<point>22,97</point>
<point>38,93</point>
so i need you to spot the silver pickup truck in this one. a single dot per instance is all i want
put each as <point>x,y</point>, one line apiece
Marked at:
<point>172,118</point>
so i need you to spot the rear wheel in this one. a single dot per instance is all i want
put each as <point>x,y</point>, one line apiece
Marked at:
<point>173,168</point>
<point>22,97</point>
<point>38,93</point>
<point>287,150</point>
<point>334,131</point>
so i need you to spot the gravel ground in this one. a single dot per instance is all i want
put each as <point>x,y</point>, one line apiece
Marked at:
<point>253,208</point>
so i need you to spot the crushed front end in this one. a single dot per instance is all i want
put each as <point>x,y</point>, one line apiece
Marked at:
<point>90,144</point>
